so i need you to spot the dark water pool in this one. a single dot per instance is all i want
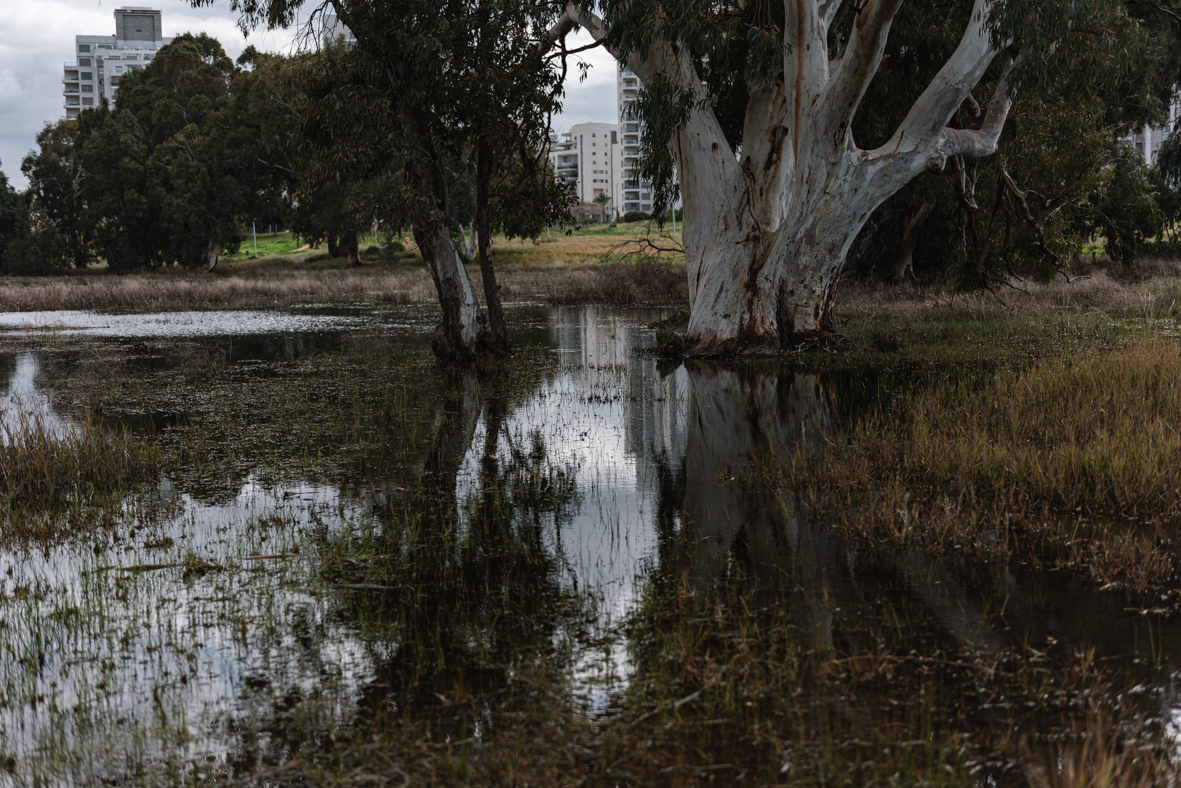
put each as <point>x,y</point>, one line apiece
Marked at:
<point>610,474</point>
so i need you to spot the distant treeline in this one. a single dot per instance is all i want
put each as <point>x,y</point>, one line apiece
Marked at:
<point>196,148</point>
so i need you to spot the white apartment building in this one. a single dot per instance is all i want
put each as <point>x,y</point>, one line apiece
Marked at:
<point>587,156</point>
<point>1149,139</point>
<point>100,61</point>
<point>637,193</point>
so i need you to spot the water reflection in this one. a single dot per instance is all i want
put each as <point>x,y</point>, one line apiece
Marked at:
<point>491,533</point>
<point>24,403</point>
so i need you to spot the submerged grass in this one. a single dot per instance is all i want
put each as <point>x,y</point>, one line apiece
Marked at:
<point>1072,461</point>
<point>55,479</point>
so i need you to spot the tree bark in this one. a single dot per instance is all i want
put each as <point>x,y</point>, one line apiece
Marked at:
<point>766,235</point>
<point>458,332</point>
<point>333,246</point>
<point>212,253</point>
<point>904,259</point>
<point>496,339</point>
<point>352,247</point>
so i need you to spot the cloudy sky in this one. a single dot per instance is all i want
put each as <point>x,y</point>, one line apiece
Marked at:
<point>39,38</point>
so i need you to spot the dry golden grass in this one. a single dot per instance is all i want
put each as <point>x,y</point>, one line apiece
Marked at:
<point>1075,462</point>
<point>1152,287</point>
<point>624,283</point>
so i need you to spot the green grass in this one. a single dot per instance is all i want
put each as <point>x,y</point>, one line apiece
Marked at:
<point>271,244</point>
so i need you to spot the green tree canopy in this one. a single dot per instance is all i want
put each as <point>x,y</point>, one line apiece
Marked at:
<point>55,191</point>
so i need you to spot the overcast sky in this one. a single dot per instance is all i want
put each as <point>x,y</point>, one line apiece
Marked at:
<point>39,38</point>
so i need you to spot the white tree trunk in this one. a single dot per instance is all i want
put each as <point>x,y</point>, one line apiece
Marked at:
<point>767,232</point>
<point>456,334</point>
<point>212,253</point>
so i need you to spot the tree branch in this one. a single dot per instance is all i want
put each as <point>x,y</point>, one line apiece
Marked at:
<point>916,144</point>
<point>857,68</point>
<point>981,142</point>
<point>572,18</point>
<point>828,11</point>
<point>805,64</point>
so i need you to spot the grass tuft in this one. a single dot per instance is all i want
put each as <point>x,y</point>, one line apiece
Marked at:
<point>51,478</point>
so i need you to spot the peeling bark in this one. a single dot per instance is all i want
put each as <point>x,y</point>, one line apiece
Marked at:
<point>767,234</point>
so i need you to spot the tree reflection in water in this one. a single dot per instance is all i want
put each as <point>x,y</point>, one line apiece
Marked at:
<point>462,601</point>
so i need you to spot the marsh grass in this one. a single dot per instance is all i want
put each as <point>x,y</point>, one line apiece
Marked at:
<point>55,479</point>
<point>1071,462</point>
<point>282,284</point>
<point>728,688</point>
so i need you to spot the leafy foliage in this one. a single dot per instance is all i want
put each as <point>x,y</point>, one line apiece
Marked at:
<point>1168,180</point>
<point>55,191</point>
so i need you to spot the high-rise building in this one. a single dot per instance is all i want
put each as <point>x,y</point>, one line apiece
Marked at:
<point>587,156</point>
<point>102,60</point>
<point>637,192</point>
<point>1149,139</point>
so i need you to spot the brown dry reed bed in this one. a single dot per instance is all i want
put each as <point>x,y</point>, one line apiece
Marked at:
<point>1073,462</point>
<point>54,482</point>
<point>624,283</point>
<point>1150,289</point>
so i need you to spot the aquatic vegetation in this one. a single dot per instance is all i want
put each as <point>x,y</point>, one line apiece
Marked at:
<point>1074,461</point>
<point>55,477</point>
<point>582,567</point>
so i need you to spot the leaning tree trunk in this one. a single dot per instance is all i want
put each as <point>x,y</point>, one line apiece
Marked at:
<point>904,259</point>
<point>212,252</point>
<point>497,339</point>
<point>458,331</point>
<point>766,234</point>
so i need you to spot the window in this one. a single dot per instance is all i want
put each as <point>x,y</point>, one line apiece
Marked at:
<point>118,69</point>
<point>84,47</point>
<point>88,88</point>
<point>114,80</point>
<point>88,102</point>
<point>84,62</point>
<point>87,75</point>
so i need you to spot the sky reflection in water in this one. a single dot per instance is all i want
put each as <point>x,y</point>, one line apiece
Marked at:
<point>119,653</point>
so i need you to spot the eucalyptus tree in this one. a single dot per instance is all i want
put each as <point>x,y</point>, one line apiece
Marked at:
<point>11,213</point>
<point>1168,179</point>
<point>429,83</point>
<point>1058,169</point>
<point>55,192</point>
<point>756,103</point>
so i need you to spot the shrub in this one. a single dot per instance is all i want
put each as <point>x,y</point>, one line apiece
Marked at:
<point>636,216</point>
<point>38,253</point>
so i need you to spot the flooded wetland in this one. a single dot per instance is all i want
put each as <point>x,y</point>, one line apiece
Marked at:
<point>287,547</point>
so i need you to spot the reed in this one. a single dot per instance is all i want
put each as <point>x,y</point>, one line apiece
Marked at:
<point>1075,461</point>
<point>54,479</point>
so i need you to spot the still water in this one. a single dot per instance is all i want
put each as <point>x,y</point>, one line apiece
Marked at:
<point>169,645</point>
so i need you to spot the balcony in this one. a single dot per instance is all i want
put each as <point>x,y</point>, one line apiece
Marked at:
<point>71,91</point>
<point>70,66</point>
<point>67,78</point>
